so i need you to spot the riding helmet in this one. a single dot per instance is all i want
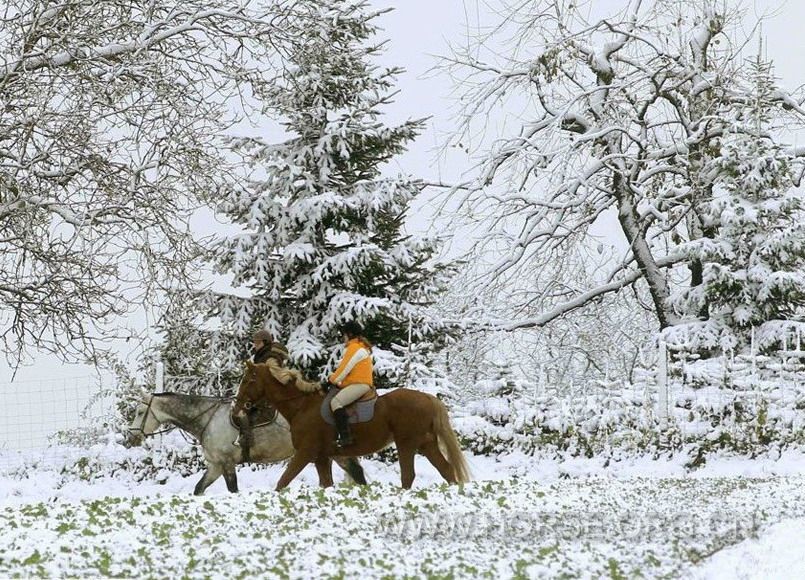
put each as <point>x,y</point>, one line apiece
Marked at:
<point>351,328</point>
<point>263,335</point>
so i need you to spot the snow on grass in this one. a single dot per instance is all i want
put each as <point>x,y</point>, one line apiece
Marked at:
<point>77,512</point>
<point>592,527</point>
<point>778,553</point>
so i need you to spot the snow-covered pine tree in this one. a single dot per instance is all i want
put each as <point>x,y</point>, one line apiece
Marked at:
<point>753,265</point>
<point>323,238</point>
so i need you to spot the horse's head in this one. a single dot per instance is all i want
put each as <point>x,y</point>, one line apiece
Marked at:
<point>145,421</point>
<point>249,391</point>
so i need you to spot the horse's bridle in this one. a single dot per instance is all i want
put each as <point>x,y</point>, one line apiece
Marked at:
<point>141,428</point>
<point>148,409</point>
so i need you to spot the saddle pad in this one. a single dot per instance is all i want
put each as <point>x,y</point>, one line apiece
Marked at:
<point>358,412</point>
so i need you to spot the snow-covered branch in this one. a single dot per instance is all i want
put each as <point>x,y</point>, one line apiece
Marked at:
<point>581,300</point>
<point>625,113</point>
<point>110,114</point>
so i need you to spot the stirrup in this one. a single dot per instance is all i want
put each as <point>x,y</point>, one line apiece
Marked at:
<point>345,442</point>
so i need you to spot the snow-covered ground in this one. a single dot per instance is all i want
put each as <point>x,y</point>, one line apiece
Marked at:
<point>521,517</point>
<point>779,552</point>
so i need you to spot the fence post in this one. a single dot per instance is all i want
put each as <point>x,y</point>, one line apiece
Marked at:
<point>408,353</point>
<point>537,383</point>
<point>662,385</point>
<point>159,377</point>
<point>753,356</point>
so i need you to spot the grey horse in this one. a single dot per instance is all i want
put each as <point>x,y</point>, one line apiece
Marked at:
<point>207,419</point>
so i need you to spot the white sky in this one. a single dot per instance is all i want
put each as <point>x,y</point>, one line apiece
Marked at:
<point>418,30</point>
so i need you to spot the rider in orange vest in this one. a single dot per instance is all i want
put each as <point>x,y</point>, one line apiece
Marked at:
<point>353,377</point>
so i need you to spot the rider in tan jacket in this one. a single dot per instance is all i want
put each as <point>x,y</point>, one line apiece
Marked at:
<point>264,351</point>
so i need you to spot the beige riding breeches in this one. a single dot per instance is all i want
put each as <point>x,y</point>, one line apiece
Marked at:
<point>348,394</point>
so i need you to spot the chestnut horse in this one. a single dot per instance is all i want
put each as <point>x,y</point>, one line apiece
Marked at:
<point>414,421</point>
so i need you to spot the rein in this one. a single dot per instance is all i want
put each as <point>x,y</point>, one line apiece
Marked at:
<point>207,424</point>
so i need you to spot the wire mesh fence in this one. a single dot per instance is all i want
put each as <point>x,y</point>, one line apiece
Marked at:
<point>34,413</point>
<point>745,386</point>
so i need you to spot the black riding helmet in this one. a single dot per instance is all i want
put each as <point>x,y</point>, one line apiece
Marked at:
<point>351,328</point>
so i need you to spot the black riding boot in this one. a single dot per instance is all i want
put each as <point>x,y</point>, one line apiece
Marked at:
<point>344,436</point>
<point>245,438</point>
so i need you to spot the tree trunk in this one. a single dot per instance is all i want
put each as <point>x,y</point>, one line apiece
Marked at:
<point>657,284</point>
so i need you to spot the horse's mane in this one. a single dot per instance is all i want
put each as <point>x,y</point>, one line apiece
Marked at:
<point>290,376</point>
<point>193,396</point>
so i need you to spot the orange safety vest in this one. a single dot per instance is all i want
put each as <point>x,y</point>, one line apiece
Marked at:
<point>355,367</point>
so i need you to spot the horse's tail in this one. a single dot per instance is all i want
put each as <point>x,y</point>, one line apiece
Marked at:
<point>448,442</point>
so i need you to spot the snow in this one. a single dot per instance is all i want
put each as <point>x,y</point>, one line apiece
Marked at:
<point>49,475</point>
<point>529,514</point>
<point>778,553</point>
<point>520,516</point>
<point>585,500</point>
<point>570,480</point>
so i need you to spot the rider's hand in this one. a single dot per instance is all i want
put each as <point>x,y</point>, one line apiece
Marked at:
<point>326,386</point>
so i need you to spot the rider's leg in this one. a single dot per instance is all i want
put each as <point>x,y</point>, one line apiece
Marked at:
<point>343,398</point>
<point>348,395</point>
<point>343,432</point>
<point>245,438</point>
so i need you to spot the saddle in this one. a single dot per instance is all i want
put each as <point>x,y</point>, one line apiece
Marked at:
<point>358,412</point>
<point>258,416</point>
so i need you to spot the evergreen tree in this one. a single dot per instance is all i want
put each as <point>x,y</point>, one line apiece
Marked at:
<point>323,239</point>
<point>752,267</point>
